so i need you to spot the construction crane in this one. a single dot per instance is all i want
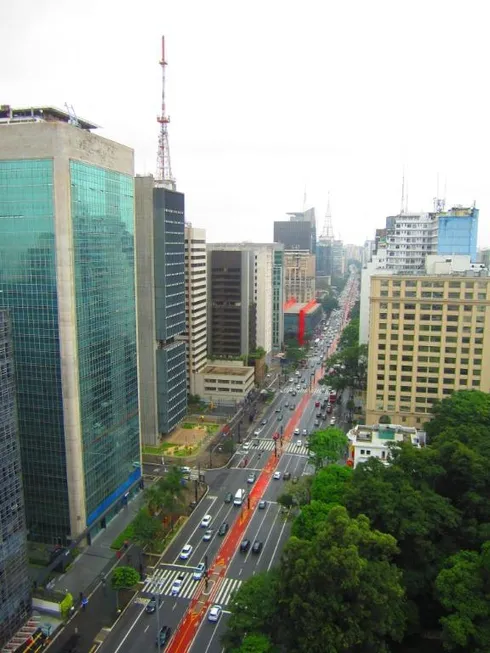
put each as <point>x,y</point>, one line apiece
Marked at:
<point>164,168</point>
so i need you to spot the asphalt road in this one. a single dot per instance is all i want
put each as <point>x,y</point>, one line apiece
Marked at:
<point>137,630</point>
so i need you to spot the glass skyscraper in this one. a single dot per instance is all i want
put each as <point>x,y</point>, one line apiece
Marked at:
<point>457,231</point>
<point>15,586</point>
<point>67,276</point>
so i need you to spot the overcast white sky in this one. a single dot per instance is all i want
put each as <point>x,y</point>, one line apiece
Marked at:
<point>268,96</point>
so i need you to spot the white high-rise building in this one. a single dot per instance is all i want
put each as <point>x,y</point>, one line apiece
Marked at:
<point>195,303</point>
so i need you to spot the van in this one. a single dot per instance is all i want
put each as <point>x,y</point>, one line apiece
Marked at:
<point>239,497</point>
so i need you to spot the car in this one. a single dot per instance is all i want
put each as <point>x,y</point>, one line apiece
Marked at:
<point>262,504</point>
<point>223,529</point>
<point>151,606</point>
<point>329,409</point>
<point>245,546</point>
<point>176,586</point>
<point>298,387</point>
<point>214,613</point>
<point>278,409</point>
<point>299,443</point>
<point>293,393</point>
<point>296,431</point>
<point>257,546</point>
<point>332,421</point>
<point>286,476</point>
<point>286,404</point>
<point>291,380</point>
<point>207,535</point>
<point>279,417</point>
<point>304,433</point>
<point>185,554</point>
<point>228,497</point>
<point>317,422</point>
<point>263,422</point>
<point>185,470</point>
<point>323,416</point>
<point>246,446</point>
<point>251,478</point>
<point>257,432</point>
<point>163,635</point>
<point>199,572</point>
<point>206,520</point>
<point>292,407</point>
<point>276,476</point>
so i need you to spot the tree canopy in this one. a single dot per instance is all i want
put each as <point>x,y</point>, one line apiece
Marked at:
<point>327,446</point>
<point>124,578</point>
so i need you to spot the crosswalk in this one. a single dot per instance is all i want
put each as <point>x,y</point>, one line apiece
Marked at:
<point>290,447</point>
<point>162,579</point>
<point>161,583</point>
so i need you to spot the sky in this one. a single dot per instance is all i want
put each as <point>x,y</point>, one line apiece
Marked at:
<point>269,98</point>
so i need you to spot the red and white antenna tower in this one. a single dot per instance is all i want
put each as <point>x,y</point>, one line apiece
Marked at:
<point>327,232</point>
<point>164,168</point>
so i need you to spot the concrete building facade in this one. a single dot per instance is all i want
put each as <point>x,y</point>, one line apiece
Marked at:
<point>299,232</point>
<point>160,284</point>
<point>67,279</point>
<point>225,383</point>
<point>299,276</point>
<point>429,336</point>
<point>196,334</point>
<point>374,441</point>
<point>15,585</point>
<point>262,291</point>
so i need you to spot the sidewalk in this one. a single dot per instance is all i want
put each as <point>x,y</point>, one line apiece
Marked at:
<point>97,559</point>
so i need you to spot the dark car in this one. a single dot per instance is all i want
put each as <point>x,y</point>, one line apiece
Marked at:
<point>228,497</point>
<point>163,635</point>
<point>223,529</point>
<point>151,606</point>
<point>245,546</point>
<point>286,476</point>
<point>262,504</point>
<point>257,546</point>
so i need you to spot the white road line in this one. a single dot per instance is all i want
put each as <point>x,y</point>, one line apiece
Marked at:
<point>129,631</point>
<point>196,529</point>
<point>278,542</point>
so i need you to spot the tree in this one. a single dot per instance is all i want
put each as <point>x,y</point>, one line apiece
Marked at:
<point>350,335</point>
<point>330,484</point>
<point>253,609</point>
<point>124,578</point>
<point>463,407</point>
<point>146,529</point>
<point>327,446</point>
<point>311,518</point>
<point>340,592</point>
<point>298,493</point>
<point>463,588</point>
<point>329,304</point>
<point>153,498</point>
<point>255,643</point>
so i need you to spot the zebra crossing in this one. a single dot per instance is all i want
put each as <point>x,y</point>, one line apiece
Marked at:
<point>290,447</point>
<point>162,580</point>
<point>161,583</point>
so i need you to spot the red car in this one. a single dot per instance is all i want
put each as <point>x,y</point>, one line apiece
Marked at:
<point>317,404</point>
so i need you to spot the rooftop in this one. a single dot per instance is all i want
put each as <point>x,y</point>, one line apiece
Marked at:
<point>14,115</point>
<point>296,308</point>
<point>385,433</point>
<point>228,371</point>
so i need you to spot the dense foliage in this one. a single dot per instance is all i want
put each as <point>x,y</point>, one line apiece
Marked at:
<point>385,558</point>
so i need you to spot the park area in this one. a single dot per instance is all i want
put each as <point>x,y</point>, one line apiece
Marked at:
<point>185,440</point>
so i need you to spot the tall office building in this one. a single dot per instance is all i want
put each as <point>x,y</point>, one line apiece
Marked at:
<point>324,258</point>
<point>67,277</point>
<point>299,276</point>
<point>160,283</point>
<point>262,290</point>
<point>15,586</point>
<point>429,337</point>
<point>299,232</point>
<point>196,333</point>
<point>457,231</point>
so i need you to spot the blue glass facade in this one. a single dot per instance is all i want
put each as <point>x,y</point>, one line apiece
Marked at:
<point>458,232</point>
<point>102,221</point>
<point>103,240</point>
<point>169,274</point>
<point>15,586</point>
<point>28,289</point>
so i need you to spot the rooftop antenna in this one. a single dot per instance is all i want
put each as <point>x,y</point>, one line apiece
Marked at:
<point>164,168</point>
<point>72,116</point>
<point>327,231</point>
<point>403,191</point>
<point>406,197</point>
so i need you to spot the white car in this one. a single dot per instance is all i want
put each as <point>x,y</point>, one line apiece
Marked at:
<point>176,587</point>
<point>246,446</point>
<point>304,433</point>
<point>298,443</point>
<point>206,520</point>
<point>207,535</point>
<point>277,476</point>
<point>296,431</point>
<point>291,380</point>
<point>186,552</point>
<point>199,571</point>
<point>214,613</point>
<point>332,421</point>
